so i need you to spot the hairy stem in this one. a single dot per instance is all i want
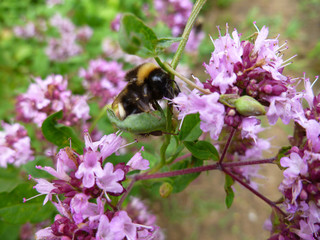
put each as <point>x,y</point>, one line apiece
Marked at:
<point>247,186</point>
<point>185,35</point>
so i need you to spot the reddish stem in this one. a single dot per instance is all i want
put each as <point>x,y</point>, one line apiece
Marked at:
<point>227,145</point>
<point>247,186</point>
<point>202,169</point>
<point>181,158</point>
<point>123,197</point>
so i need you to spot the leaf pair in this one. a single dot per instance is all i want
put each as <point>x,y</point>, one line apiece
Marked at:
<point>137,38</point>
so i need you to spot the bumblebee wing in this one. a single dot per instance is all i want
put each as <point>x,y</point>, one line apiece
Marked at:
<point>119,97</point>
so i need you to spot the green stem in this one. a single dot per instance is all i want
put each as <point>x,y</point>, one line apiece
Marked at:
<point>176,58</point>
<point>159,62</point>
<point>101,113</point>
<point>185,35</point>
<point>168,68</point>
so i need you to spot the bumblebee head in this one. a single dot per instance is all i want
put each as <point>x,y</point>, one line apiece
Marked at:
<point>161,85</point>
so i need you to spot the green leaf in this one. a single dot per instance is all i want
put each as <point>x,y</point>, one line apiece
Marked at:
<point>190,129</point>
<point>229,191</point>
<point>31,169</point>
<point>9,231</point>
<point>166,42</point>
<point>14,211</point>
<point>59,134</point>
<point>202,150</point>
<point>182,181</point>
<point>137,38</point>
<point>140,123</point>
<point>9,179</point>
<point>282,153</point>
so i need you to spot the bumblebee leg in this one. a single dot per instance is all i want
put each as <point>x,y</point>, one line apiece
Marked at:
<point>144,107</point>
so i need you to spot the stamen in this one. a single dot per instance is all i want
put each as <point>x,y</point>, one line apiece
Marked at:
<point>317,77</point>
<point>143,226</point>
<point>254,24</point>
<point>290,58</point>
<point>27,199</point>
<point>135,141</point>
<point>283,45</point>
<point>282,66</point>
<point>107,197</point>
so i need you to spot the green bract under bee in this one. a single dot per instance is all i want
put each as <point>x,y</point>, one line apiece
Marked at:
<point>140,123</point>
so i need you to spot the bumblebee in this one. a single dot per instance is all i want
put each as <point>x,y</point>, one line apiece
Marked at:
<point>147,83</point>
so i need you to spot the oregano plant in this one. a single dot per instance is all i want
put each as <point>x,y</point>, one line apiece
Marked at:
<point>89,168</point>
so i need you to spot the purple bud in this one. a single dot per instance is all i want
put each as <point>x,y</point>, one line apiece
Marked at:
<point>303,195</point>
<point>315,173</point>
<point>278,89</point>
<point>267,89</point>
<point>312,189</point>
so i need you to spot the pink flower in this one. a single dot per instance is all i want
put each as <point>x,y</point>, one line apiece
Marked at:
<point>50,95</point>
<point>108,180</point>
<point>122,226</point>
<point>104,232</point>
<point>45,188</point>
<point>250,127</point>
<point>14,145</point>
<point>89,168</point>
<point>103,79</point>
<point>137,162</point>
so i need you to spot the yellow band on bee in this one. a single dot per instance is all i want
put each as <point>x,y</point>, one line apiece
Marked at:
<point>144,72</point>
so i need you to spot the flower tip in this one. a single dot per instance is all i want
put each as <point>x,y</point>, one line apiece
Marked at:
<point>38,167</point>
<point>24,200</point>
<point>29,177</point>
<point>85,131</point>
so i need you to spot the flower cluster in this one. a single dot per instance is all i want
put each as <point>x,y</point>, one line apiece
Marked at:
<point>103,79</point>
<point>60,49</point>
<point>300,186</point>
<point>31,30</point>
<point>50,95</point>
<point>87,186</point>
<point>51,3</point>
<point>174,13</point>
<point>14,145</point>
<point>238,68</point>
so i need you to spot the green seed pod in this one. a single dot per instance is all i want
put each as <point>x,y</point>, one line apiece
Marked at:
<point>248,106</point>
<point>165,190</point>
<point>141,123</point>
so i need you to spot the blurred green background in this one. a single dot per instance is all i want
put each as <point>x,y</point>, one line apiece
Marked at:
<point>199,212</point>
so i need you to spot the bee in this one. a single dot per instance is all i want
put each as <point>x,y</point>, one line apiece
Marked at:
<point>147,83</point>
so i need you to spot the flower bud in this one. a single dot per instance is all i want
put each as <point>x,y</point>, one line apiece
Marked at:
<point>165,190</point>
<point>248,106</point>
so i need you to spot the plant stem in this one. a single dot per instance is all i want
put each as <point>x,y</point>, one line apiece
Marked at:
<point>203,168</point>
<point>185,35</point>
<point>101,113</point>
<point>123,197</point>
<point>227,145</point>
<point>180,158</point>
<point>247,186</point>
<point>186,80</point>
<point>159,62</point>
